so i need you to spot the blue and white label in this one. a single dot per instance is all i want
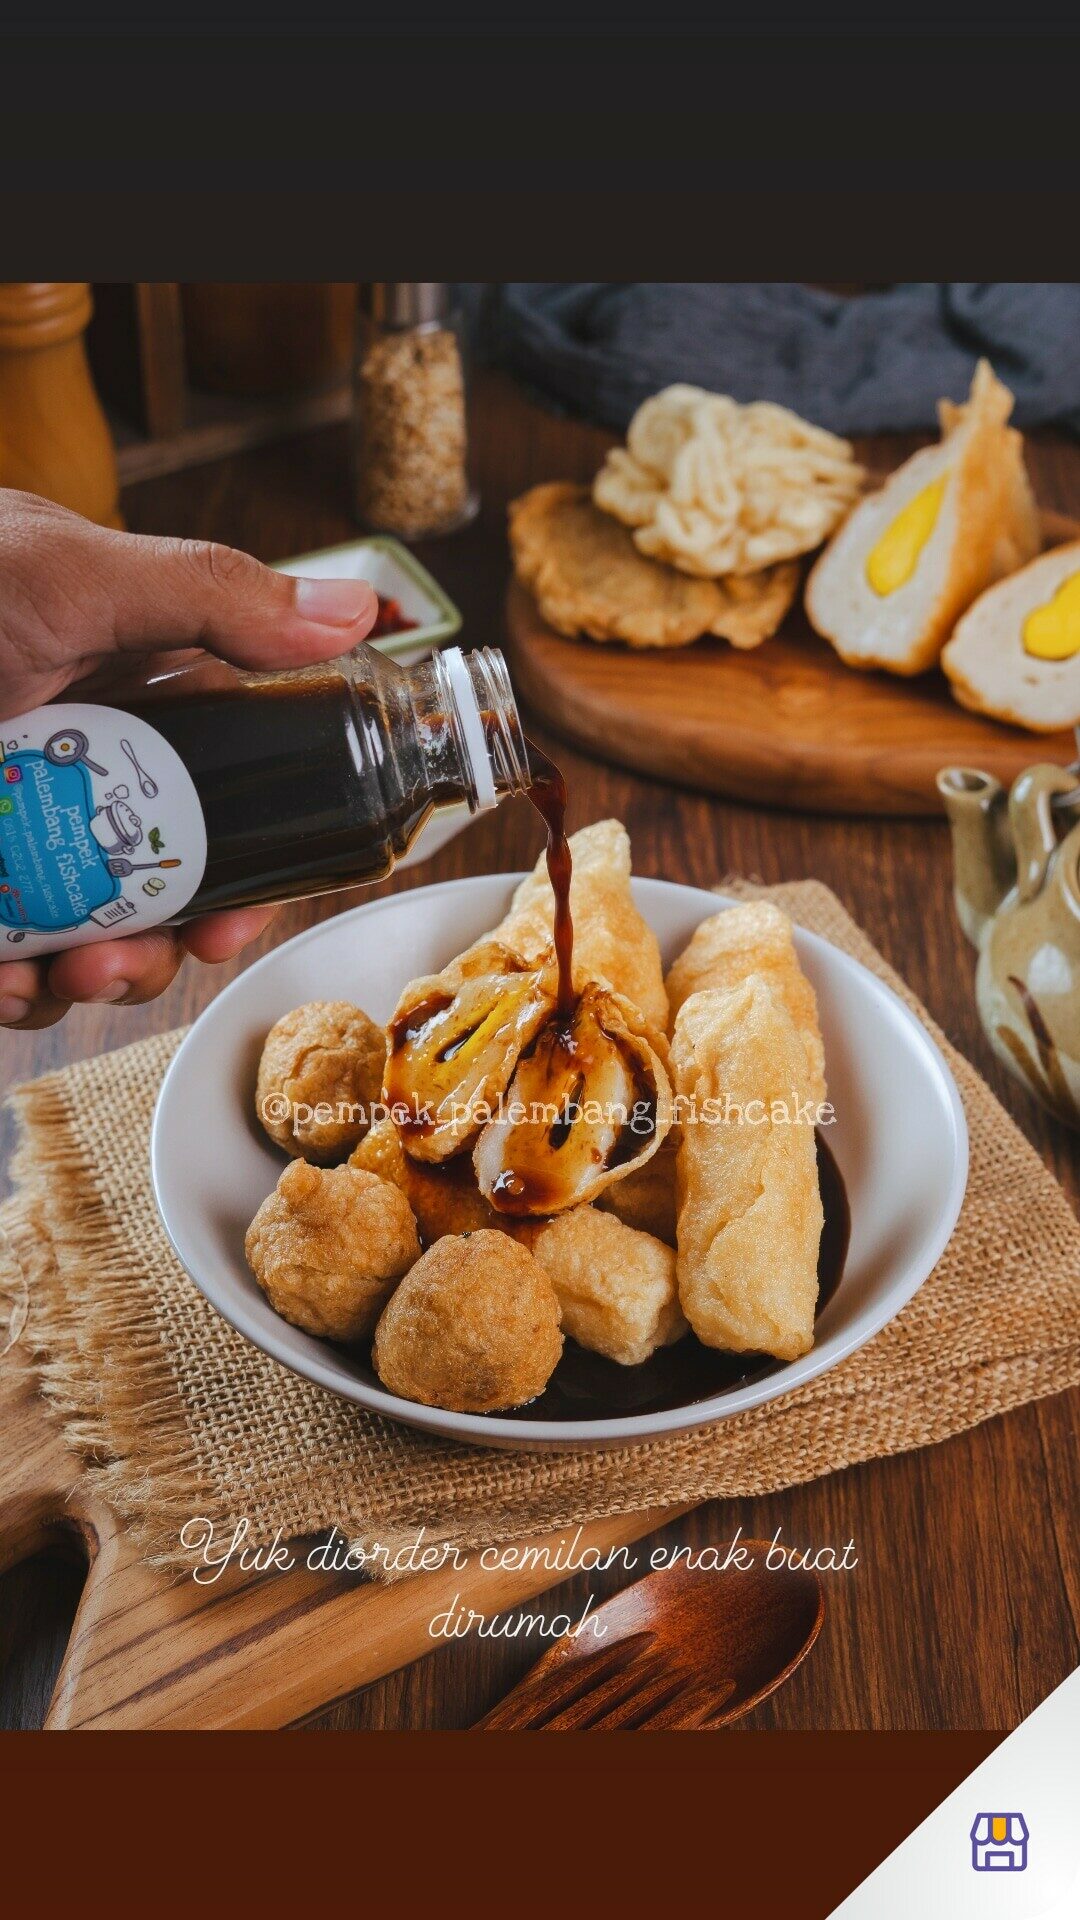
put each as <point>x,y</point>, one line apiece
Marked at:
<point>101,831</point>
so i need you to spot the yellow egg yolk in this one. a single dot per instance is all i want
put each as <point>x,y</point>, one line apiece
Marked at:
<point>891,563</point>
<point>1052,631</point>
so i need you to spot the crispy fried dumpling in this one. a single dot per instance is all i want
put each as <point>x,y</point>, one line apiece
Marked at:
<point>589,1101</point>
<point>750,1214</point>
<point>454,1041</point>
<point>754,938</point>
<point>612,941</point>
<point>616,1287</point>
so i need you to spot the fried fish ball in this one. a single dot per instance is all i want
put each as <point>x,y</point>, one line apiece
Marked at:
<point>616,1288</point>
<point>646,1198</point>
<point>445,1199</point>
<point>750,1214</point>
<point>589,1101</point>
<point>319,1077</point>
<point>474,1327</point>
<point>329,1245</point>
<point>754,938</point>
<point>612,942</point>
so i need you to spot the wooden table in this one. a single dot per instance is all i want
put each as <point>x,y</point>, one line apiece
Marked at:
<point>964,1610</point>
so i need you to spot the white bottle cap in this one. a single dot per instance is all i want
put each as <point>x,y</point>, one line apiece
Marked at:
<point>467,714</point>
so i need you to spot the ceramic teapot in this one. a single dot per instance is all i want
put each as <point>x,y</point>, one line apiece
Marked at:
<point>1016,869</point>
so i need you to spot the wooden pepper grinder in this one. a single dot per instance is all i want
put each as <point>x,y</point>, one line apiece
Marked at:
<point>54,438</point>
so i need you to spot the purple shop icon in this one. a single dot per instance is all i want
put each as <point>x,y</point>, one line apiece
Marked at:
<point>999,1843</point>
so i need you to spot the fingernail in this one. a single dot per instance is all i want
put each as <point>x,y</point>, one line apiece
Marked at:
<point>334,603</point>
<point>115,990</point>
<point>12,1009</point>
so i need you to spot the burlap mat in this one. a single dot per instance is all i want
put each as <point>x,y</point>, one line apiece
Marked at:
<point>176,1415</point>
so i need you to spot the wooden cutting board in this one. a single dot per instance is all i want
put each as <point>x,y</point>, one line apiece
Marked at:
<point>786,723</point>
<point>149,1649</point>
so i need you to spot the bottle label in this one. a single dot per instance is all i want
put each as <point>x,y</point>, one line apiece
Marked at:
<point>101,830</point>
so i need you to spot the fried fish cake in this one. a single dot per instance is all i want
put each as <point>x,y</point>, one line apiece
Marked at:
<point>454,1041</point>
<point>587,577</point>
<point>319,1076</point>
<point>612,940</point>
<point>474,1327</point>
<point>589,1101</point>
<point>616,1288</point>
<point>645,1199</point>
<point>750,1215</point>
<point>329,1245</point>
<point>445,1199</point>
<point>755,938</point>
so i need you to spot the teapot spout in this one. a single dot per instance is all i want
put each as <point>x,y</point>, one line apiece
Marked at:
<point>984,858</point>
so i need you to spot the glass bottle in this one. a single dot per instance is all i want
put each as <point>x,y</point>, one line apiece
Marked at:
<point>210,787</point>
<point>410,424</point>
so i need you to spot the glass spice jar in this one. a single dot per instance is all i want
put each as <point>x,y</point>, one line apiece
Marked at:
<point>410,430</point>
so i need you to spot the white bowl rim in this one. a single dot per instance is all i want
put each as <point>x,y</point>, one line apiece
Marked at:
<point>495,1430</point>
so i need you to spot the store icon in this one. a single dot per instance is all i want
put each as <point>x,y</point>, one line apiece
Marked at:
<point>999,1843</point>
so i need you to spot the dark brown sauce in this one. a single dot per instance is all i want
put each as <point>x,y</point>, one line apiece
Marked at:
<point>585,1386</point>
<point>547,791</point>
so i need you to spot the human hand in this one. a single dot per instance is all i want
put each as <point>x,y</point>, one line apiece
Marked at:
<point>76,598</point>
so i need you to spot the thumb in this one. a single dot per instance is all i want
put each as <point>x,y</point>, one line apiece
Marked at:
<point>177,593</point>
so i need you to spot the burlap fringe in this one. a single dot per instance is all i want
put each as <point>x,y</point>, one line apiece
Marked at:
<point>61,1235</point>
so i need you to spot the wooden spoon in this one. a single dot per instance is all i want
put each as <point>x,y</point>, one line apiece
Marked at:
<point>681,1649</point>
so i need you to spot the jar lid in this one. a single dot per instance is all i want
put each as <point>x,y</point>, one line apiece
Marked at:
<point>405,303</point>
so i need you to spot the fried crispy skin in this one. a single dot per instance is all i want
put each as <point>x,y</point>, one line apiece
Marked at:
<point>474,1327</point>
<point>588,578</point>
<point>645,1199</point>
<point>329,1054</point>
<point>750,1215</point>
<point>754,938</point>
<point>616,1288</point>
<point>445,1199</point>
<point>612,940</point>
<point>329,1245</point>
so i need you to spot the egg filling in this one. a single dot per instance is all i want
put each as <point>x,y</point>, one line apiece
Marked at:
<point>1052,631</point>
<point>587,1101</point>
<point>891,563</point>
<point>452,1054</point>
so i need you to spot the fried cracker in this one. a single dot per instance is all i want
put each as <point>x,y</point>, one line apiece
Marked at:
<point>587,577</point>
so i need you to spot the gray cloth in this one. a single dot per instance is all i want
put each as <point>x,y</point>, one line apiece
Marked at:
<point>862,364</point>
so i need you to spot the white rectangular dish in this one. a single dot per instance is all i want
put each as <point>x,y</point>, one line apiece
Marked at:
<point>395,574</point>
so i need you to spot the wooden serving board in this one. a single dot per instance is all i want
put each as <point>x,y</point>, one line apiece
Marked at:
<point>148,1649</point>
<point>786,723</point>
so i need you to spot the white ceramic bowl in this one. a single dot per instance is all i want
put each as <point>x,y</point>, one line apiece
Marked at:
<point>900,1140</point>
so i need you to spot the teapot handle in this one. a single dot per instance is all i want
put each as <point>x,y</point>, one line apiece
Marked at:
<point>1031,819</point>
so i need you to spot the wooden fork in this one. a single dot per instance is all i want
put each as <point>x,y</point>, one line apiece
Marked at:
<point>682,1649</point>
